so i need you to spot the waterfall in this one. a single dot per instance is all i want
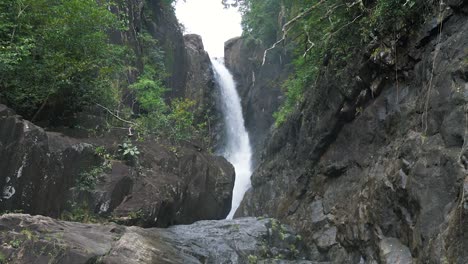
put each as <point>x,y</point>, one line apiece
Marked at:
<point>237,149</point>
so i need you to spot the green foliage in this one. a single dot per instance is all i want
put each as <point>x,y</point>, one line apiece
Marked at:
<point>259,19</point>
<point>155,116</point>
<point>181,119</point>
<point>327,37</point>
<point>3,259</point>
<point>56,55</point>
<point>153,56</point>
<point>149,92</point>
<point>129,151</point>
<point>135,215</point>
<point>175,121</point>
<point>294,90</point>
<point>15,243</point>
<point>58,52</point>
<point>102,152</point>
<point>16,211</point>
<point>390,15</point>
<point>29,234</point>
<point>252,259</point>
<point>80,213</point>
<point>88,180</point>
<point>294,250</point>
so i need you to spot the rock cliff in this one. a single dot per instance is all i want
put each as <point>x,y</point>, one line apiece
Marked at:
<point>258,86</point>
<point>50,173</point>
<point>201,88</point>
<point>157,19</point>
<point>374,168</point>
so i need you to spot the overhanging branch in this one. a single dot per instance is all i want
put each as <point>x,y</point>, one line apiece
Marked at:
<point>286,27</point>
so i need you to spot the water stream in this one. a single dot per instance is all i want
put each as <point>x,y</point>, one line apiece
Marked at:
<point>237,149</point>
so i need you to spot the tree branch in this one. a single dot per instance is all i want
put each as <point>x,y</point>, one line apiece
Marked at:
<point>310,43</point>
<point>347,24</point>
<point>286,27</point>
<point>116,116</point>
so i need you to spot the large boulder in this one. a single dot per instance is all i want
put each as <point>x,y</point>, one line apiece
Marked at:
<point>49,173</point>
<point>172,186</point>
<point>38,239</point>
<point>36,174</point>
<point>371,169</point>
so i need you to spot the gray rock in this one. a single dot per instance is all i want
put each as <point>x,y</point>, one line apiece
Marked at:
<point>201,88</point>
<point>38,239</point>
<point>326,238</point>
<point>388,162</point>
<point>393,252</point>
<point>317,211</point>
<point>259,86</point>
<point>452,129</point>
<point>40,174</point>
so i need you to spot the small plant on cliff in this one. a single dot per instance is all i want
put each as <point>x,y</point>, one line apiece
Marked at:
<point>102,152</point>
<point>29,234</point>
<point>106,156</point>
<point>135,215</point>
<point>88,179</point>
<point>15,243</point>
<point>80,213</point>
<point>129,151</point>
<point>181,119</point>
<point>252,259</point>
<point>175,120</point>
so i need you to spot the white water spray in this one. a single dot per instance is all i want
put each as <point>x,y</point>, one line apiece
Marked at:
<point>237,149</point>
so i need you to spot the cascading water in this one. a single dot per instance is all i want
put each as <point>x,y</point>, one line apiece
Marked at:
<point>237,149</point>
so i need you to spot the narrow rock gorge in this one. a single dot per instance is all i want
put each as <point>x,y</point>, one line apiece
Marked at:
<point>358,154</point>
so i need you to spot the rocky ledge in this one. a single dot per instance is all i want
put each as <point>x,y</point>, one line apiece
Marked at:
<point>39,239</point>
<point>49,173</point>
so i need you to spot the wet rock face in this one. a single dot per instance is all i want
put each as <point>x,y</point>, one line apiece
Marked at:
<point>201,88</point>
<point>200,78</point>
<point>42,173</point>
<point>377,174</point>
<point>165,28</point>
<point>258,86</point>
<point>38,239</point>
<point>35,176</point>
<point>158,19</point>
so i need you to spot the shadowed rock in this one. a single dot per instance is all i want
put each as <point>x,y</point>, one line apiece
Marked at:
<point>382,160</point>
<point>43,173</point>
<point>258,86</point>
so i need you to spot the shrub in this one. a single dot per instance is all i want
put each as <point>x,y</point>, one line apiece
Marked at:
<point>328,36</point>
<point>129,151</point>
<point>80,213</point>
<point>88,179</point>
<point>56,53</point>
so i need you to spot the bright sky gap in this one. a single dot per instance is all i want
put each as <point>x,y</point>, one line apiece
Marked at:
<point>209,19</point>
